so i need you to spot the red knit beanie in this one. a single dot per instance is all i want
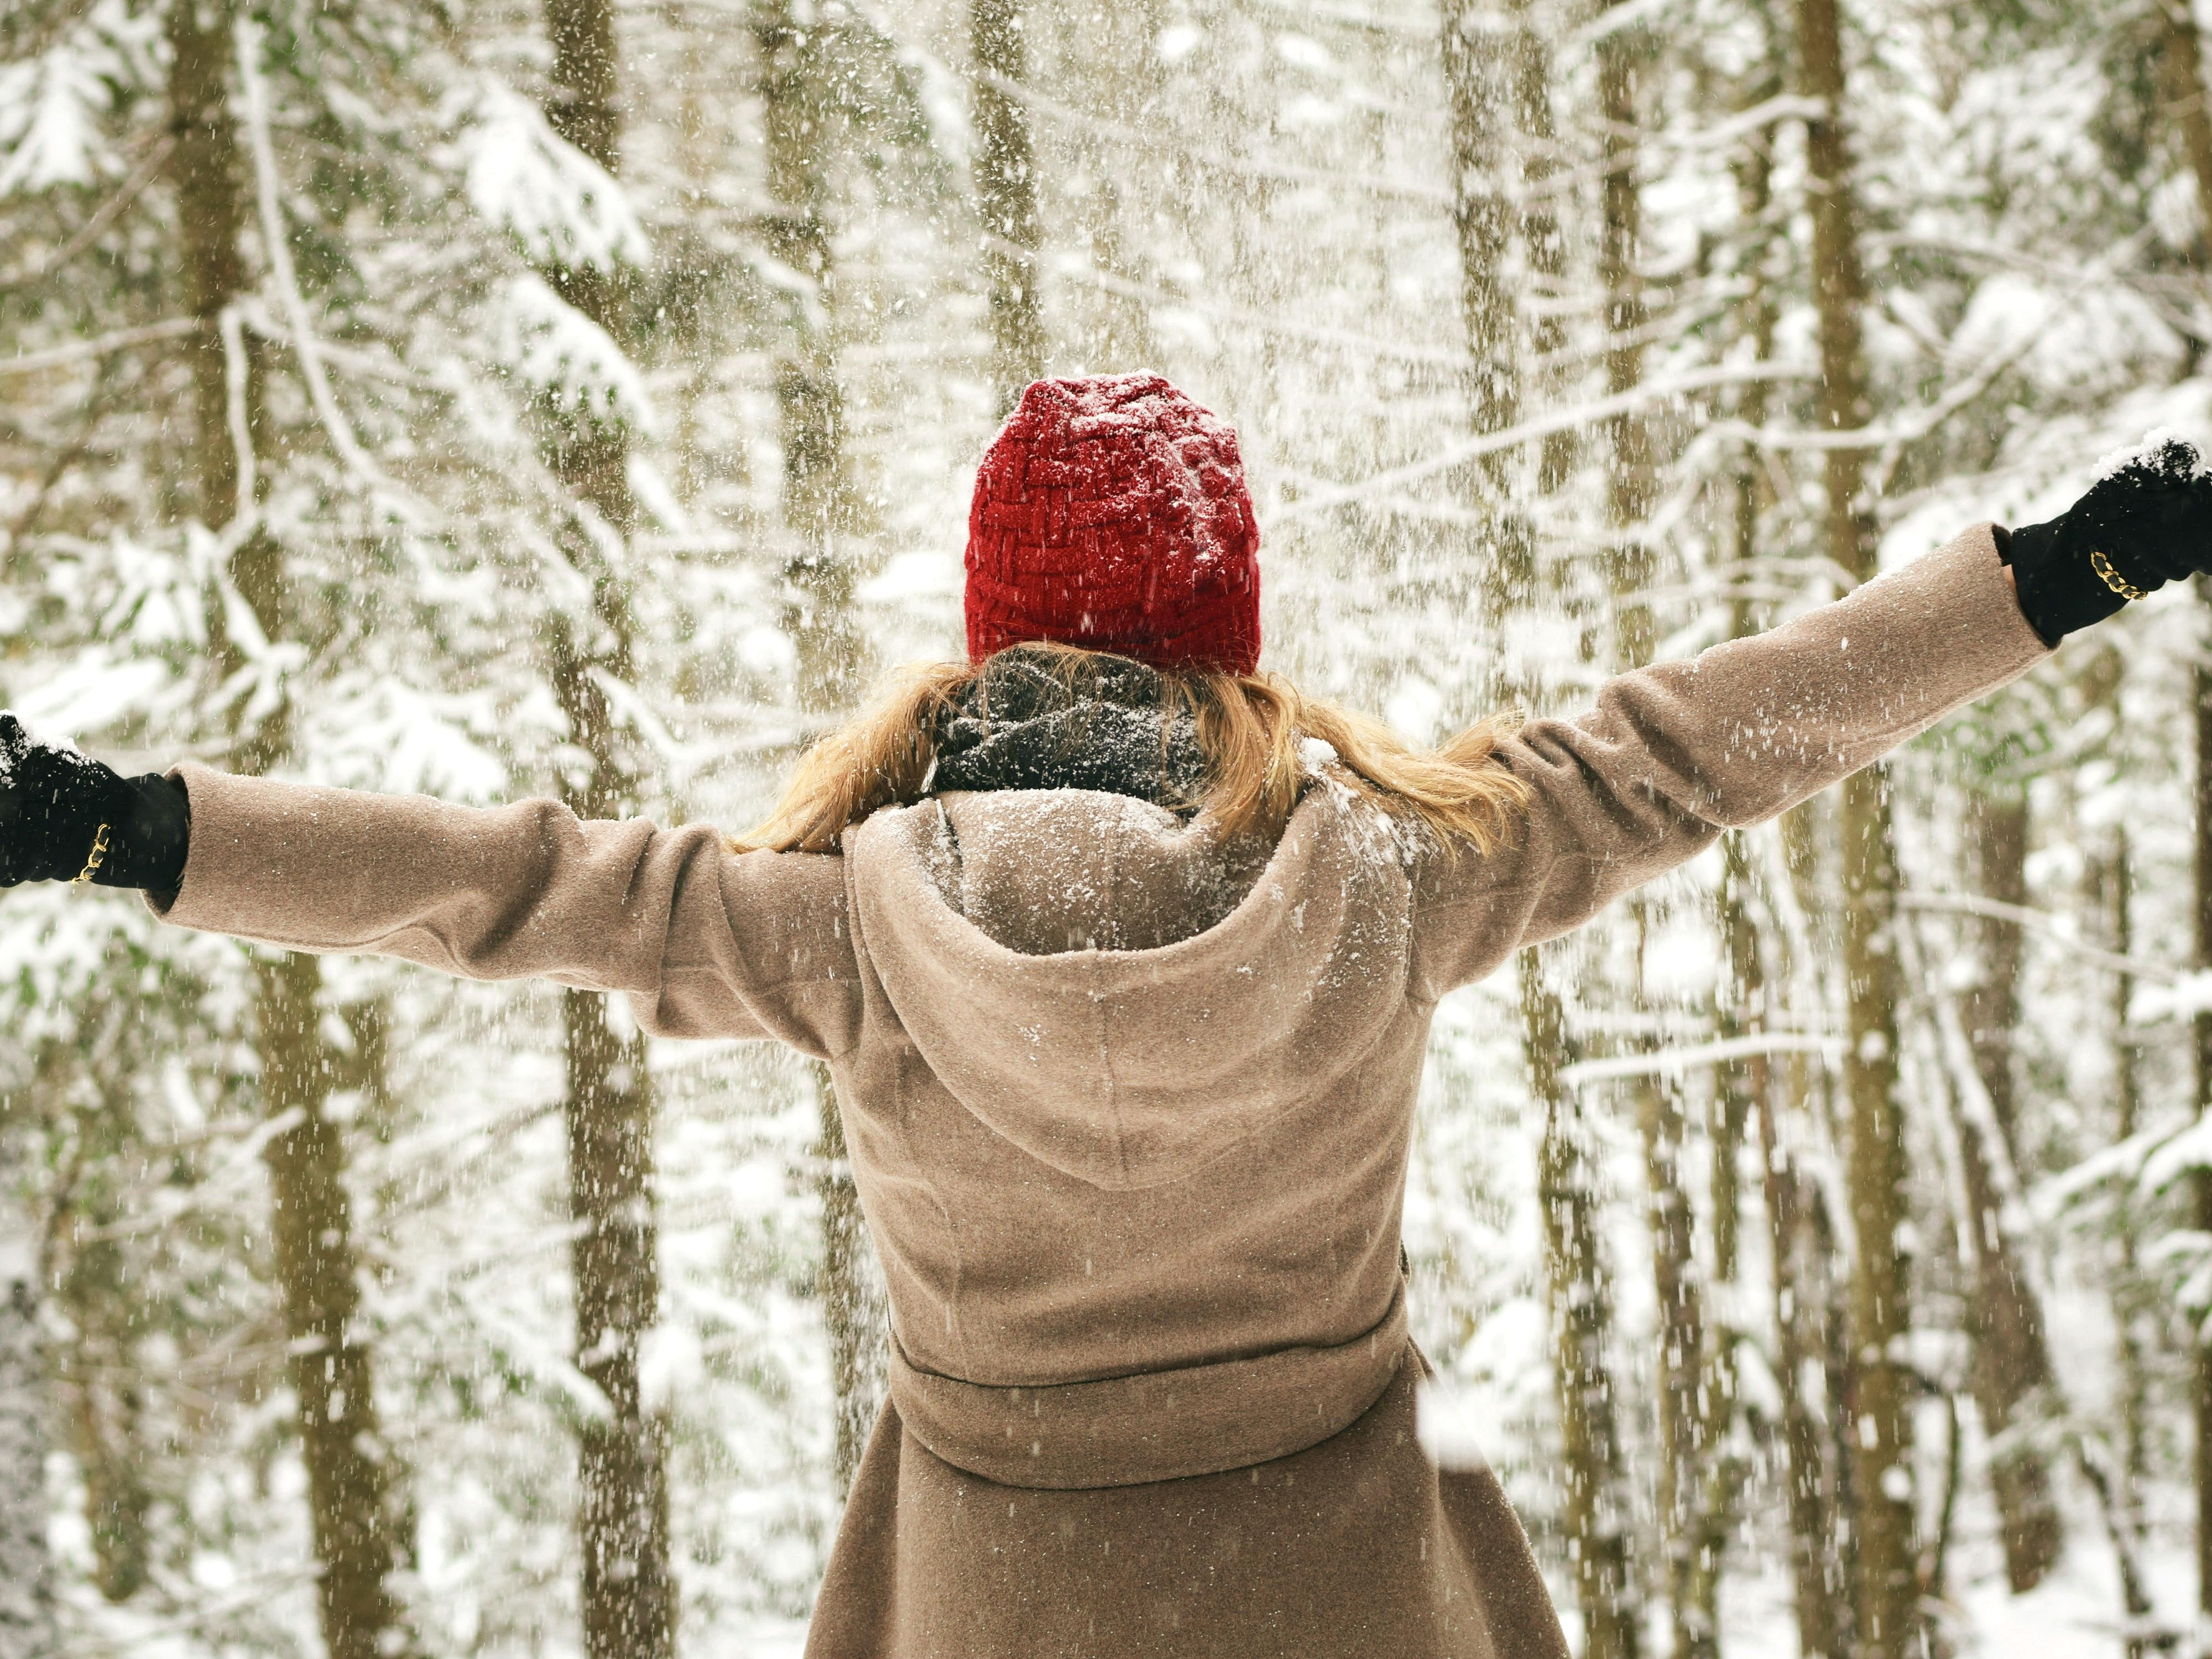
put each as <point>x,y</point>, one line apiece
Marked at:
<point>1110,512</point>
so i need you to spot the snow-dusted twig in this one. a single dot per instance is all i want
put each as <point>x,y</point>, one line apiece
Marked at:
<point>1560,420</point>
<point>2061,927</point>
<point>100,345</point>
<point>235,374</point>
<point>1361,18</point>
<point>278,248</point>
<point>1977,1113</point>
<point>104,215</point>
<point>1410,189</point>
<point>1076,268</point>
<point>1666,1061</point>
<point>1613,20</point>
<point>1915,424</point>
<point>1654,151</point>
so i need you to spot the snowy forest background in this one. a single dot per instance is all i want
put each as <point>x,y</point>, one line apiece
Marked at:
<point>489,398</point>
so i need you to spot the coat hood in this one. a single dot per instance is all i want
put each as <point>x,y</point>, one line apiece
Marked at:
<point>1114,991</point>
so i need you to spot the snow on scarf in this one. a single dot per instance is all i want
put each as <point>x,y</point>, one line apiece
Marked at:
<point>1021,723</point>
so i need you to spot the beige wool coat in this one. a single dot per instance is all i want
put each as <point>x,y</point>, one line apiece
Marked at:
<point>1130,1118</point>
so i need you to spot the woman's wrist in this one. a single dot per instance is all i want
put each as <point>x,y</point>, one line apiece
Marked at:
<point>2058,595</point>
<point>150,843</point>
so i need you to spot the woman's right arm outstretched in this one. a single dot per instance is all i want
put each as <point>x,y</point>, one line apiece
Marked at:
<point>703,941</point>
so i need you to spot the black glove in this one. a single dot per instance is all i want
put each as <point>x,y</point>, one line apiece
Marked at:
<point>53,802</point>
<point>2146,524</point>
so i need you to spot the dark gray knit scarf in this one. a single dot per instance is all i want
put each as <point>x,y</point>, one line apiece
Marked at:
<point>1026,723</point>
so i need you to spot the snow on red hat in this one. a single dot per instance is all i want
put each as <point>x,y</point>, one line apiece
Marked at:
<point>1110,512</point>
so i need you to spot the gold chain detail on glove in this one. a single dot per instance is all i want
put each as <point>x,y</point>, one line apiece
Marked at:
<point>2112,578</point>
<point>92,863</point>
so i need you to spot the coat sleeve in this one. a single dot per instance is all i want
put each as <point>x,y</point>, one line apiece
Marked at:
<point>1675,753</point>
<point>704,941</point>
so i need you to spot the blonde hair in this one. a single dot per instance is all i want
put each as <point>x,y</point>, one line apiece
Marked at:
<point>1249,729</point>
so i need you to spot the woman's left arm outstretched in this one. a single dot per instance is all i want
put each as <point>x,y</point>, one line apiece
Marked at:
<point>1673,754</point>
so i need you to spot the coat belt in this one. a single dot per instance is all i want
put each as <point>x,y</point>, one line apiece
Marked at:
<point>1156,1425</point>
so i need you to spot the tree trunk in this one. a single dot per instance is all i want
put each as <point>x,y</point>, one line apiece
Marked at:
<point>820,515</point>
<point>2184,66</point>
<point>1579,1297</point>
<point>27,1612</point>
<point>1742,1007</point>
<point>1693,1574</point>
<point>852,1303</point>
<point>1480,63</point>
<point>1797,1265</point>
<point>204,172</point>
<point>1488,77</point>
<point>2201,1179</point>
<point>353,1485</point>
<point>97,1372</point>
<point>1478,67</point>
<point>1799,1297</point>
<point>1531,73</point>
<point>1630,478</point>
<point>2011,1359</point>
<point>2138,1309</point>
<point>629,1588</point>
<point>1738,1091</point>
<point>1006,196</point>
<point>1686,1407</point>
<point>1998,841</point>
<point>1881,1281</point>
<point>350,1489</point>
<point>1800,1262</point>
<point>1875,1172</point>
<point>818,506</point>
<point>2185,70</point>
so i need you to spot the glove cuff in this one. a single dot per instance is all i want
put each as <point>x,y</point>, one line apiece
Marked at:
<point>2060,592</point>
<point>150,836</point>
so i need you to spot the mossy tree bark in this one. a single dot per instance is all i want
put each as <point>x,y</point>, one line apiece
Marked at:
<point>1881,1303</point>
<point>2201,1180</point>
<point>1796,1230</point>
<point>1689,1409</point>
<point>1579,1294</point>
<point>97,1373</point>
<point>354,1486</point>
<point>1006,196</point>
<point>1802,1237</point>
<point>1498,83</point>
<point>1497,95</point>
<point>1742,1006</point>
<point>2011,1357</point>
<point>1477,69</point>
<point>1545,246</point>
<point>2117,1469</point>
<point>629,1586</point>
<point>349,1485</point>
<point>821,517</point>
<point>26,1606</point>
<point>1630,478</point>
<point>2184,55</point>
